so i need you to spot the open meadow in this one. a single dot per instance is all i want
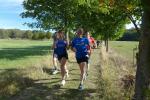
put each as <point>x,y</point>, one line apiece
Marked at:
<point>23,53</point>
<point>124,48</point>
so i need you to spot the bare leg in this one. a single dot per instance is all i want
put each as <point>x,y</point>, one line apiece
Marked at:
<point>83,71</point>
<point>88,66</point>
<point>63,68</point>
<point>55,61</point>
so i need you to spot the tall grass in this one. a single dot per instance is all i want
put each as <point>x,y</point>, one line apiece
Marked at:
<point>116,79</point>
<point>13,81</point>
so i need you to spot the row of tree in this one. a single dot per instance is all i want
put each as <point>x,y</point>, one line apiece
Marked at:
<point>130,35</point>
<point>24,34</point>
<point>105,18</point>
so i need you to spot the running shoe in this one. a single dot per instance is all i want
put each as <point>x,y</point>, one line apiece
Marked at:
<point>80,88</point>
<point>55,71</point>
<point>63,82</point>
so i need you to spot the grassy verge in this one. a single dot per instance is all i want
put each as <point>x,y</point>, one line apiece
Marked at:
<point>117,76</point>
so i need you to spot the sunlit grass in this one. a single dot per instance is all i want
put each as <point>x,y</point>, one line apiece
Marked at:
<point>23,53</point>
<point>124,48</point>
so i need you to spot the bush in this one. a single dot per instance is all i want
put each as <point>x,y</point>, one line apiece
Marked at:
<point>35,36</point>
<point>3,34</point>
<point>130,35</point>
<point>28,35</point>
<point>16,33</point>
<point>48,35</point>
<point>41,36</point>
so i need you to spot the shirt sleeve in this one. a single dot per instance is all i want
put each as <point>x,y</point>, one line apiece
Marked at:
<point>92,39</point>
<point>87,44</point>
<point>55,44</point>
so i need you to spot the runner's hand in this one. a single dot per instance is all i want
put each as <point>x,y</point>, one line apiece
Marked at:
<point>89,52</point>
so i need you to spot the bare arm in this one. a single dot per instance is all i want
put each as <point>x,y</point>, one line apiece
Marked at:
<point>89,50</point>
<point>54,44</point>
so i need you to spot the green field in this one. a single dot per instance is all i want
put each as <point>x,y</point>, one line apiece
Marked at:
<point>26,53</point>
<point>23,53</point>
<point>124,48</point>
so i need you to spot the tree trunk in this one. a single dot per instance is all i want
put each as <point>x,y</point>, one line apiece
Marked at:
<point>67,35</point>
<point>66,31</point>
<point>105,42</point>
<point>107,45</point>
<point>106,39</point>
<point>142,86</point>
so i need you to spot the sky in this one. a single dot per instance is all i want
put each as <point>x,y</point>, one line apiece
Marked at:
<point>10,18</point>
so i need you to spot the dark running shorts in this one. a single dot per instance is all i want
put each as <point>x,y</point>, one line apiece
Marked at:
<point>55,55</point>
<point>80,60</point>
<point>62,56</point>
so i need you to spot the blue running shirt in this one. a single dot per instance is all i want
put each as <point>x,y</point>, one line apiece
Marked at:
<point>61,47</point>
<point>80,44</point>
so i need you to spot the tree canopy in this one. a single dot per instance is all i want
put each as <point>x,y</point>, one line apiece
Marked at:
<point>105,18</point>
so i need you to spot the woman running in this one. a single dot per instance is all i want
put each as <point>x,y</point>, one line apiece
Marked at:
<point>92,43</point>
<point>55,69</point>
<point>62,55</point>
<point>81,47</point>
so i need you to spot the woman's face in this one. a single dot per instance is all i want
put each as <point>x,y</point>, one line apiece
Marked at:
<point>57,35</point>
<point>60,35</point>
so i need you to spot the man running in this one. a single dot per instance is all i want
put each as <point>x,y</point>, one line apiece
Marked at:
<point>92,43</point>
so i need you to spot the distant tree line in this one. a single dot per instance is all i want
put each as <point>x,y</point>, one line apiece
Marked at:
<point>24,34</point>
<point>130,35</point>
